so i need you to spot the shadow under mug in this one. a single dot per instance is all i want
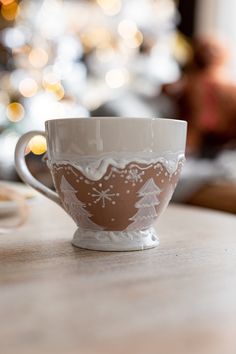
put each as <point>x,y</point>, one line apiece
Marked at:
<point>113,176</point>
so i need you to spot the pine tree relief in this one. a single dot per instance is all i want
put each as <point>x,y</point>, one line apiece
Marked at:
<point>75,207</point>
<point>146,206</point>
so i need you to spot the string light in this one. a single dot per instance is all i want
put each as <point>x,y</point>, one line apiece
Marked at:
<point>116,78</point>
<point>10,11</point>
<point>38,145</point>
<point>15,112</point>
<point>38,57</point>
<point>28,87</point>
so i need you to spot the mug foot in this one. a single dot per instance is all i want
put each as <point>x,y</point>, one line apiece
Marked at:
<point>115,240</point>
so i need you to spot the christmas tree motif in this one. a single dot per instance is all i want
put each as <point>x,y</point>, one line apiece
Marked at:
<point>75,207</point>
<point>146,206</point>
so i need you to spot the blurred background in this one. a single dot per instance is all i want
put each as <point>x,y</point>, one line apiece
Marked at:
<point>143,58</point>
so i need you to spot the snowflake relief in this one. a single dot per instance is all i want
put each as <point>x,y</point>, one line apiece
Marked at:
<point>103,196</point>
<point>134,175</point>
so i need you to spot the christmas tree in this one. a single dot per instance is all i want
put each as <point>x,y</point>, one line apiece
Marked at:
<point>75,207</point>
<point>146,206</point>
<point>74,58</point>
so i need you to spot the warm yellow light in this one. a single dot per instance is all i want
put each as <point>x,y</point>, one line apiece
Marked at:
<point>28,87</point>
<point>38,145</point>
<point>38,57</point>
<point>136,41</point>
<point>57,90</point>
<point>117,77</point>
<point>15,112</point>
<point>129,32</point>
<point>6,2</point>
<point>50,79</point>
<point>96,37</point>
<point>110,7</point>
<point>127,28</point>
<point>10,11</point>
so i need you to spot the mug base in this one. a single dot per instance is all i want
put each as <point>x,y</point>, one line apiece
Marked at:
<point>115,240</point>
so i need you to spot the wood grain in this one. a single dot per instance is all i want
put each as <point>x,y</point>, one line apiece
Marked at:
<point>178,298</point>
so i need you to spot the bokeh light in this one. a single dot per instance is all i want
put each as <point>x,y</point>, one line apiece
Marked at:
<point>15,112</point>
<point>136,41</point>
<point>50,79</point>
<point>38,57</point>
<point>99,37</point>
<point>110,7</point>
<point>59,92</point>
<point>38,145</point>
<point>13,37</point>
<point>10,11</point>
<point>56,89</point>
<point>116,78</point>
<point>127,28</point>
<point>6,2</point>
<point>69,48</point>
<point>28,87</point>
<point>129,32</point>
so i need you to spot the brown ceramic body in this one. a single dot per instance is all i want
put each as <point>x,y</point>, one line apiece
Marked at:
<point>119,200</point>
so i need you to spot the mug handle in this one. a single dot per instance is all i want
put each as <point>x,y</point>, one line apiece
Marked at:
<point>23,170</point>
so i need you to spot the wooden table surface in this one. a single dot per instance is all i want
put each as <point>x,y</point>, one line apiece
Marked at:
<point>179,298</point>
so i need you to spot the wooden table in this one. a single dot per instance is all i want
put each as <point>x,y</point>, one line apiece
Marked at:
<point>179,298</point>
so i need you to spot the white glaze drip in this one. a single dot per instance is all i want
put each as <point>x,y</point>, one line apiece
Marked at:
<point>94,168</point>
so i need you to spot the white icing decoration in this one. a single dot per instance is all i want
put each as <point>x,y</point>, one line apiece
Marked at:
<point>116,240</point>
<point>94,168</point>
<point>75,207</point>
<point>146,206</point>
<point>103,196</point>
<point>134,175</point>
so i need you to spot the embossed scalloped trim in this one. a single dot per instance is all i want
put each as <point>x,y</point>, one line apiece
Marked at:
<point>116,240</point>
<point>94,168</point>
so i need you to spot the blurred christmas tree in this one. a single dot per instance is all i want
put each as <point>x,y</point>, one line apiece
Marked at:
<point>68,58</point>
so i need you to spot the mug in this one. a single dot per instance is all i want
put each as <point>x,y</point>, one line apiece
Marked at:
<point>114,176</point>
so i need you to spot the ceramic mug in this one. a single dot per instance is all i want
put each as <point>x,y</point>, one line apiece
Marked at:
<point>113,176</point>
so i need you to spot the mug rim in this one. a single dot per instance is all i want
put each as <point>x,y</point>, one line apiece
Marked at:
<point>154,119</point>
